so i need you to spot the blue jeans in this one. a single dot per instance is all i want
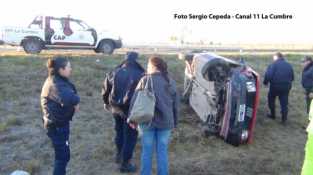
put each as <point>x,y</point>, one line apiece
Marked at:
<point>154,139</point>
<point>60,142</point>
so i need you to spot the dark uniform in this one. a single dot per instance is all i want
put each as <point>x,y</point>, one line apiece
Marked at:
<point>58,98</point>
<point>307,83</point>
<point>280,76</point>
<point>117,91</point>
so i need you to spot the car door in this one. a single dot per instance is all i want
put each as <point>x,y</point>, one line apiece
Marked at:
<point>56,27</point>
<point>68,32</point>
<point>202,101</point>
<point>80,35</point>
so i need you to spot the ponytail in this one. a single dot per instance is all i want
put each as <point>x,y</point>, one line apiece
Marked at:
<point>54,64</point>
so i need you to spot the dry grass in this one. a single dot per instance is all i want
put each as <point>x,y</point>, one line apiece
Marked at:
<point>276,149</point>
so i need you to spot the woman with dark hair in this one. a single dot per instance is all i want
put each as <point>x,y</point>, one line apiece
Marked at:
<point>59,102</point>
<point>156,134</point>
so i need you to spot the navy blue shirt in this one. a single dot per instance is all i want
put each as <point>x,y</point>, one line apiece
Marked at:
<point>58,98</point>
<point>120,84</point>
<point>307,77</point>
<point>279,73</point>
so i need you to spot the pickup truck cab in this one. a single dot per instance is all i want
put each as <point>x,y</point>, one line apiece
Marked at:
<point>47,32</point>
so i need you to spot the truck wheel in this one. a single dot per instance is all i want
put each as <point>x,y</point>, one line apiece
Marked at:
<point>106,47</point>
<point>32,45</point>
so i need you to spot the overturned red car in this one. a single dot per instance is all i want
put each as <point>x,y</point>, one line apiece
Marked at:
<point>224,94</point>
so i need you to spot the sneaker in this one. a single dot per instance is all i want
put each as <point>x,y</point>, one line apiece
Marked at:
<point>128,168</point>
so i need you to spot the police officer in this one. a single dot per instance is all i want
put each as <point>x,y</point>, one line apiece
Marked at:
<point>117,91</point>
<point>59,102</point>
<point>307,79</point>
<point>279,75</point>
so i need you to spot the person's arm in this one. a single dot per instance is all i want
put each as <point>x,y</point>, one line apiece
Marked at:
<point>311,112</point>
<point>106,88</point>
<point>67,96</point>
<point>176,101</point>
<point>293,75</point>
<point>268,74</point>
<point>308,73</point>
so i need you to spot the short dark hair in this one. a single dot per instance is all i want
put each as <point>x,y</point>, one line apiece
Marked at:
<point>279,55</point>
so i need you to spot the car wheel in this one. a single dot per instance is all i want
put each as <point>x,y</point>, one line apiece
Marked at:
<point>106,47</point>
<point>32,45</point>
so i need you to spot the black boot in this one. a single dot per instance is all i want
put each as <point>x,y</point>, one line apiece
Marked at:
<point>128,168</point>
<point>284,120</point>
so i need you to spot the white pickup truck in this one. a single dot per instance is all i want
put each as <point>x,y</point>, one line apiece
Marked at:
<point>47,32</point>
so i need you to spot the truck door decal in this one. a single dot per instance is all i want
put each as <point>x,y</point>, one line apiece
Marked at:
<point>58,37</point>
<point>67,29</point>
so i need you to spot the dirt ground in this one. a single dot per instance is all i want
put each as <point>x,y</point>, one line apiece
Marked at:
<point>276,149</point>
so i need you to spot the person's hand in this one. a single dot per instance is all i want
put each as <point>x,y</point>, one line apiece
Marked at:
<point>106,107</point>
<point>76,108</point>
<point>45,122</point>
<point>132,124</point>
<point>311,95</point>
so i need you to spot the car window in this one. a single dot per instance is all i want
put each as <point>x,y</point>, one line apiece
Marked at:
<point>76,26</point>
<point>37,23</point>
<point>86,26</point>
<point>56,24</point>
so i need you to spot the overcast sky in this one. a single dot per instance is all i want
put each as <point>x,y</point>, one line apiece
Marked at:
<point>144,21</point>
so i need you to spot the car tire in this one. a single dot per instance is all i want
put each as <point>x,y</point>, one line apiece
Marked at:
<point>106,47</point>
<point>32,45</point>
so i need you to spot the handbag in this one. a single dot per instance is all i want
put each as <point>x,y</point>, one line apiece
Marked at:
<point>143,107</point>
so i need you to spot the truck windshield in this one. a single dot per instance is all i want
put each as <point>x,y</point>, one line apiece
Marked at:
<point>85,25</point>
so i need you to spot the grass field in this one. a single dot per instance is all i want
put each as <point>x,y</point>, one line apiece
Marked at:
<point>276,149</point>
